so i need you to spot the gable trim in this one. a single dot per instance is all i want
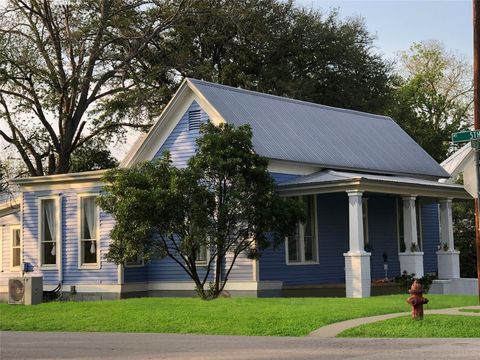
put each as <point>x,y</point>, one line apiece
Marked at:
<point>186,94</point>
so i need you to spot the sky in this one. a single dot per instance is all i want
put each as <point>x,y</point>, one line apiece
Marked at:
<point>399,23</point>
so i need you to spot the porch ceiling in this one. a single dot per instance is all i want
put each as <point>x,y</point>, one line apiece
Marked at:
<point>327,181</point>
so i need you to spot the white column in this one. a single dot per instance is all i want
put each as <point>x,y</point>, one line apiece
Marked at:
<point>447,256</point>
<point>409,222</point>
<point>410,261</point>
<point>357,261</point>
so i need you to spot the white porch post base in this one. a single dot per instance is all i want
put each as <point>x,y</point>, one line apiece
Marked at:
<point>412,263</point>
<point>357,274</point>
<point>448,264</point>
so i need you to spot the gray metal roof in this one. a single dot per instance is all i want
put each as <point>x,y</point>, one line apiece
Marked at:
<point>299,131</point>
<point>332,176</point>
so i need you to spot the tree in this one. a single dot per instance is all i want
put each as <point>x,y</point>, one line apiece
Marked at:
<point>435,96</point>
<point>93,155</point>
<point>224,202</point>
<point>65,68</point>
<point>3,178</point>
<point>464,234</point>
<point>274,47</point>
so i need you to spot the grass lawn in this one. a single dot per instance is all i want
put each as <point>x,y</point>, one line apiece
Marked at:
<point>236,316</point>
<point>431,326</point>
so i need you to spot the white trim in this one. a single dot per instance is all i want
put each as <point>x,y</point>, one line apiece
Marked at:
<point>11,229</point>
<point>207,258</point>
<point>1,247</point>
<point>120,274</point>
<point>288,167</point>
<point>58,241</point>
<point>163,286</point>
<point>302,241</point>
<point>93,266</point>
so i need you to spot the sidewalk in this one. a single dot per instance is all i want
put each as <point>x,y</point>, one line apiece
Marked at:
<point>332,330</point>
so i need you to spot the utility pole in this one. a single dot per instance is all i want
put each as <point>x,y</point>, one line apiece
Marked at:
<point>476,121</point>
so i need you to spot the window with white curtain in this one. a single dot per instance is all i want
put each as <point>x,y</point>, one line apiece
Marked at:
<point>88,231</point>
<point>302,246</point>
<point>16,247</point>
<point>48,232</point>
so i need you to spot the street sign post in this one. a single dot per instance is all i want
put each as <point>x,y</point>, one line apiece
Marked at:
<point>464,136</point>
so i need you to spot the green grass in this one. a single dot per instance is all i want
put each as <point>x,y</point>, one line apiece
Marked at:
<point>237,316</point>
<point>470,310</point>
<point>430,327</point>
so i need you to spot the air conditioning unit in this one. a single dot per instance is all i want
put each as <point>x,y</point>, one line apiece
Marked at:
<point>25,290</point>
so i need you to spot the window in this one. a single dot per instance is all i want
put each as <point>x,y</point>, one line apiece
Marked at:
<point>400,229</point>
<point>202,255</point>
<point>301,247</point>
<point>88,251</point>
<point>194,120</point>
<point>16,253</point>
<point>49,231</point>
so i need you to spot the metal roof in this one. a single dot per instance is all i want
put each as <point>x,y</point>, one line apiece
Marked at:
<point>299,131</point>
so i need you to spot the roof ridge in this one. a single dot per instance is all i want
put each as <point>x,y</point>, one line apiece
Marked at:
<point>283,98</point>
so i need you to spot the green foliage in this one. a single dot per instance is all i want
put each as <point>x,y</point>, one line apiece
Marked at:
<point>3,178</point>
<point>225,200</point>
<point>235,316</point>
<point>93,155</point>
<point>464,234</point>
<point>434,97</point>
<point>275,47</point>
<point>406,280</point>
<point>66,66</point>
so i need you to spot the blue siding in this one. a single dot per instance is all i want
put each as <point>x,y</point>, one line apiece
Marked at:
<point>430,236</point>
<point>107,274</point>
<point>181,141</point>
<point>382,234</point>
<point>135,274</point>
<point>332,211</point>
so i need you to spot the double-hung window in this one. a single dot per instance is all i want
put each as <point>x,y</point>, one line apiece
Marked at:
<point>302,247</point>
<point>88,244</point>
<point>201,257</point>
<point>49,232</point>
<point>16,253</point>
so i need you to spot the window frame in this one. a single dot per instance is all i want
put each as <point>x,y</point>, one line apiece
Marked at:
<point>97,264</point>
<point>301,227</point>
<point>11,230</point>
<point>207,257</point>
<point>58,232</point>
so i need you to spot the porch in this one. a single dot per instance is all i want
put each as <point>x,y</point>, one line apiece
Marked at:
<point>385,225</point>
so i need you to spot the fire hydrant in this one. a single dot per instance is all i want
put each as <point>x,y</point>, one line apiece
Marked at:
<point>417,300</point>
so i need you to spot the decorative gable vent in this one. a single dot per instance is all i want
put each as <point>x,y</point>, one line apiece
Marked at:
<point>194,120</point>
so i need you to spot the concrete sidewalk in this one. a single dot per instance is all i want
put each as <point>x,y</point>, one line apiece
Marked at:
<point>332,330</point>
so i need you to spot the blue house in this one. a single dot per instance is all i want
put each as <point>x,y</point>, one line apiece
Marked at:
<point>377,204</point>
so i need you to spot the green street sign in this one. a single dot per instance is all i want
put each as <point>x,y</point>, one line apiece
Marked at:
<point>464,136</point>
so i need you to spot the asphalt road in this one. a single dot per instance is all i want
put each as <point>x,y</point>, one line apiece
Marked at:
<point>37,345</point>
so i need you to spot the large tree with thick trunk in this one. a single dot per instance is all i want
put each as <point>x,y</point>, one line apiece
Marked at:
<point>64,68</point>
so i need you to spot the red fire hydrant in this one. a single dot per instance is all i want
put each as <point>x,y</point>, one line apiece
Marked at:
<point>417,300</point>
